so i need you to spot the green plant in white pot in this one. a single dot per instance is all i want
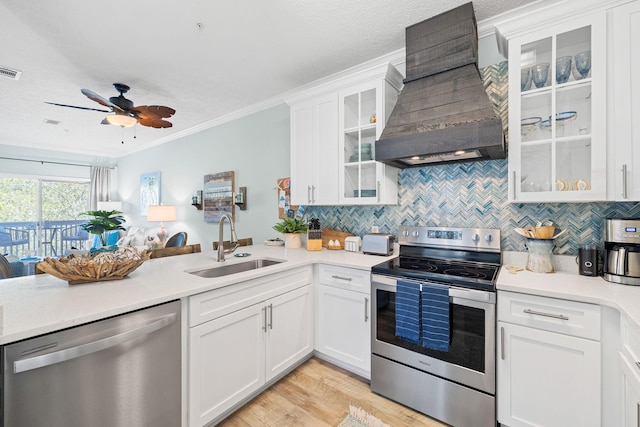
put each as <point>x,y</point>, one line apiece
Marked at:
<point>292,229</point>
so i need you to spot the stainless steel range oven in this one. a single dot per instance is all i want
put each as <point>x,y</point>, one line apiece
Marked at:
<point>433,325</point>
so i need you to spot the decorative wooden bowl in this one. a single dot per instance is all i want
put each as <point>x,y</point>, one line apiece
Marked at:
<point>100,267</point>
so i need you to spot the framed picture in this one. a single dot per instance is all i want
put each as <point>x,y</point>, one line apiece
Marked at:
<point>149,191</point>
<point>217,197</point>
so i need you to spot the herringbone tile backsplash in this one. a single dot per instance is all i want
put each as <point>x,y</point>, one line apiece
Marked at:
<point>475,195</point>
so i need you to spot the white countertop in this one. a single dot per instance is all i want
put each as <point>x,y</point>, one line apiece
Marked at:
<point>35,305</point>
<point>568,284</point>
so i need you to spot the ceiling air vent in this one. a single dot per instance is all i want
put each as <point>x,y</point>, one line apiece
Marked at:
<point>51,122</point>
<point>8,72</point>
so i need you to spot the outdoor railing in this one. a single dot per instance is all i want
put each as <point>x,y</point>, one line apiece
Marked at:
<point>44,239</point>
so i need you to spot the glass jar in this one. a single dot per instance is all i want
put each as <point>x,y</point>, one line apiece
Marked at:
<point>540,259</point>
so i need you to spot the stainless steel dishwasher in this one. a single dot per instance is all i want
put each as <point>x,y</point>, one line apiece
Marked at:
<point>117,372</point>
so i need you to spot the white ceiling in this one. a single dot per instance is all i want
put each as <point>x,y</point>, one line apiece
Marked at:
<point>247,52</point>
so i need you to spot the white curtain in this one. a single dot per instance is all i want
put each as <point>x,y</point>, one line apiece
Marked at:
<point>100,188</point>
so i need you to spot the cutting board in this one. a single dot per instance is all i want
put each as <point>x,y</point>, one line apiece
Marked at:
<point>329,234</point>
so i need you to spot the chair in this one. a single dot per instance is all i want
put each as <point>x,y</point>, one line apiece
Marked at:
<point>177,240</point>
<point>13,237</point>
<point>227,243</point>
<point>176,250</point>
<point>6,272</point>
<point>75,235</point>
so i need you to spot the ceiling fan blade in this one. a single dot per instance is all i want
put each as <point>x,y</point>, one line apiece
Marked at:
<point>155,123</point>
<point>80,108</point>
<point>100,100</point>
<point>153,111</point>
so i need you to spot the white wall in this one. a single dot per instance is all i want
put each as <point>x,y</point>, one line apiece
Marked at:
<point>255,147</point>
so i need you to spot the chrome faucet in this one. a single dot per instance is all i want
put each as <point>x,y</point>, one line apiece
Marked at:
<point>234,238</point>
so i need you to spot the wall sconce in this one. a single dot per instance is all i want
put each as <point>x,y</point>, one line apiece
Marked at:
<point>196,201</point>
<point>240,198</point>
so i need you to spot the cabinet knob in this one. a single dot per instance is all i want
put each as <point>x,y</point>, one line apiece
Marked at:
<point>488,238</point>
<point>476,237</point>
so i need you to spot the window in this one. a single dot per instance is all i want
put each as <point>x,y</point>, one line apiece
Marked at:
<point>41,216</point>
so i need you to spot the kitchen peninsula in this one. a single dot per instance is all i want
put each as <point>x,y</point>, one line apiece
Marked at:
<point>36,305</point>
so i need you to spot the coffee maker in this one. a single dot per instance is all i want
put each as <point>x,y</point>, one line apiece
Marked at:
<point>622,251</point>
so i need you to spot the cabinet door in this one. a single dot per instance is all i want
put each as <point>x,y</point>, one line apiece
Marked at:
<point>302,153</point>
<point>624,65</point>
<point>325,156</point>
<point>226,362</point>
<point>363,111</point>
<point>557,112</point>
<point>344,326</point>
<point>547,379</point>
<point>631,389</point>
<point>289,330</point>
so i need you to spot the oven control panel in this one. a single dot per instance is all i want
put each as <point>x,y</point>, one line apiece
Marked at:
<point>484,239</point>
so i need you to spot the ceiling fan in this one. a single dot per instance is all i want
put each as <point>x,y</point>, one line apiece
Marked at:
<point>124,113</point>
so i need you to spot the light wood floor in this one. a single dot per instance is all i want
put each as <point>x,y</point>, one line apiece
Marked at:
<point>318,394</point>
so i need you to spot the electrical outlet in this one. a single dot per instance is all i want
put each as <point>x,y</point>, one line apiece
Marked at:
<point>375,229</point>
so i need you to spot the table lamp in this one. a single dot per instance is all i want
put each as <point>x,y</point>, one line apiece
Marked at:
<point>161,213</point>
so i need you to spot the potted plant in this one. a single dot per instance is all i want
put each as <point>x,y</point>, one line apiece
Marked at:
<point>102,223</point>
<point>292,229</point>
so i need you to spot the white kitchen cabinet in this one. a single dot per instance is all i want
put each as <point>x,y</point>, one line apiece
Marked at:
<point>630,372</point>
<point>558,123</point>
<point>624,103</point>
<point>548,362</point>
<point>631,392</point>
<point>314,151</point>
<point>364,109</point>
<point>343,318</point>
<point>244,336</point>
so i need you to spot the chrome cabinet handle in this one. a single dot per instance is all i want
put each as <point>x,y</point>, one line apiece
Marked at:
<point>313,194</point>
<point>308,193</point>
<point>515,183</point>
<point>502,342</point>
<point>348,279</point>
<point>366,310</point>
<point>91,347</point>
<point>264,319</point>
<point>270,316</point>
<point>378,192</point>
<point>624,181</point>
<point>540,313</point>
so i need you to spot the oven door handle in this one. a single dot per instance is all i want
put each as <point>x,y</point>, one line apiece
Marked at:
<point>472,294</point>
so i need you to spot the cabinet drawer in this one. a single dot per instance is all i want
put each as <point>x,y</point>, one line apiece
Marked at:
<point>213,304</point>
<point>345,278</point>
<point>630,340</point>
<point>550,314</point>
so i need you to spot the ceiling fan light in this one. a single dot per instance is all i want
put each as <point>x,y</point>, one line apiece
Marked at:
<point>121,120</point>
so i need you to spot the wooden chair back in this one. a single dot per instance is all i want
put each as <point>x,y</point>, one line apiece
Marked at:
<point>6,272</point>
<point>227,243</point>
<point>176,250</point>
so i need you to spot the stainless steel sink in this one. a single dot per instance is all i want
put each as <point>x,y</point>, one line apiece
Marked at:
<point>240,267</point>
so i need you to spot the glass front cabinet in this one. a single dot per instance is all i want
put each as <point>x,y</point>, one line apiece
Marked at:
<point>557,112</point>
<point>364,109</point>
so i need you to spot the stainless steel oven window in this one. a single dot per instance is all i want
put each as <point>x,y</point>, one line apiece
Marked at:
<point>468,340</point>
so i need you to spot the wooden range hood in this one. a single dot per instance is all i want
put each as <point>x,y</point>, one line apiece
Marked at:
<point>443,113</point>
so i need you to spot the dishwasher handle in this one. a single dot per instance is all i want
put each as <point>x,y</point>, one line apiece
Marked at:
<point>91,347</point>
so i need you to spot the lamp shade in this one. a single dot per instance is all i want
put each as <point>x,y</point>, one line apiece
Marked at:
<point>109,206</point>
<point>159,213</point>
